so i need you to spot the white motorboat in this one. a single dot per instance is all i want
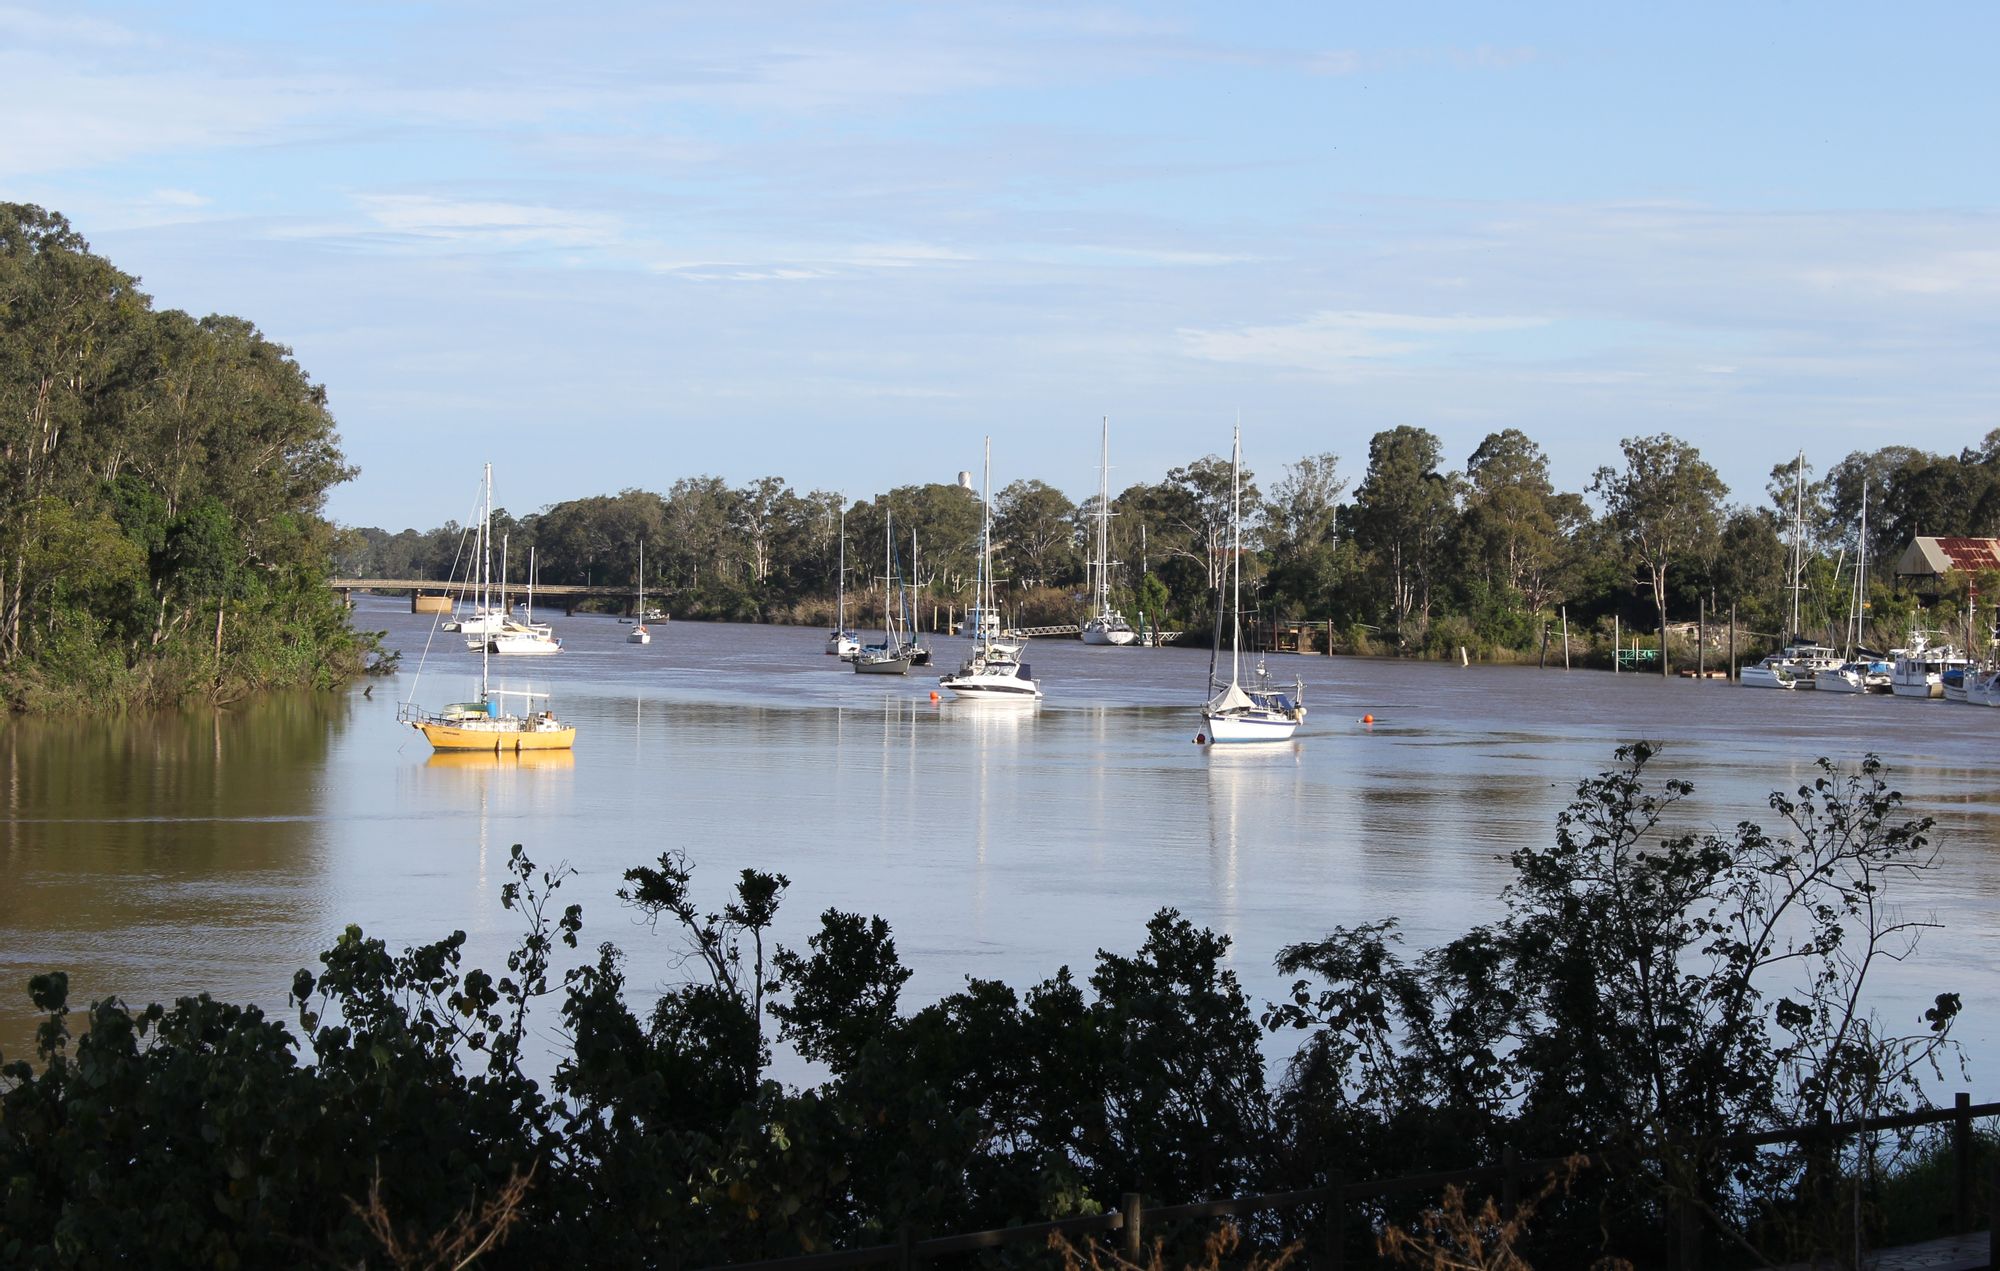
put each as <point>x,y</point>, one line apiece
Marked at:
<point>1259,711</point>
<point>1854,677</point>
<point>639,634</point>
<point>1982,688</point>
<point>1105,626</point>
<point>995,671</point>
<point>1775,671</point>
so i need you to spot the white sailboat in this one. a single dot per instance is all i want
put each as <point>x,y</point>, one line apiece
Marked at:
<point>888,657</point>
<point>638,634</point>
<point>1106,625</point>
<point>482,725</point>
<point>1260,711</point>
<point>995,671</point>
<point>1797,665</point>
<point>525,637</point>
<point>840,642</point>
<point>1863,672</point>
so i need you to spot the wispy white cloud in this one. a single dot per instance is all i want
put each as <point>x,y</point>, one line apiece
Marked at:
<point>1338,341</point>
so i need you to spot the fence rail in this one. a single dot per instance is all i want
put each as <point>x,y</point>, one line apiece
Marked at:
<point>1131,1218</point>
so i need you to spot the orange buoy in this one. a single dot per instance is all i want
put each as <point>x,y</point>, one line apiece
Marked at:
<point>1201,739</point>
<point>1367,719</point>
<point>934,695</point>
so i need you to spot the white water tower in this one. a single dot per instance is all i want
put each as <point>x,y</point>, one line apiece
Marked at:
<point>965,480</point>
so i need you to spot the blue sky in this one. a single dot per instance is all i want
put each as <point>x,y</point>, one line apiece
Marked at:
<point>610,245</point>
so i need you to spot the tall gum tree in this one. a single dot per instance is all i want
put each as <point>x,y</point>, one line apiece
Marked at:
<point>1665,505</point>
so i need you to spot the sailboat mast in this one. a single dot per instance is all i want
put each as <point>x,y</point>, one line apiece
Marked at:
<point>1104,521</point>
<point>1861,572</point>
<point>985,587</point>
<point>1799,542</point>
<point>486,636</point>
<point>840,583</point>
<point>1236,556</point>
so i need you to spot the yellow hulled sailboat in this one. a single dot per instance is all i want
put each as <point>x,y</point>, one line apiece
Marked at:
<point>482,725</point>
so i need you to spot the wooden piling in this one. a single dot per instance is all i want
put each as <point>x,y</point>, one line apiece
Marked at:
<point>1617,643</point>
<point>1565,618</point>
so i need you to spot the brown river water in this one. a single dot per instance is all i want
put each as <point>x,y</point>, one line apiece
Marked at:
<point>219,851</point>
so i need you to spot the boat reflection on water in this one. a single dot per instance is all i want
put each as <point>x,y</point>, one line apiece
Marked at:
<point>1245,783</point>
<point>502,760</point>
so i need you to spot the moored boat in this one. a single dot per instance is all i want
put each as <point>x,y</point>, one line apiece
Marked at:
<point>1259,711</point>
<point>995,671</point>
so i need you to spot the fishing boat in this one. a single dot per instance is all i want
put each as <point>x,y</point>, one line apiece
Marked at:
<point>484,724</point>
<point>1919,669</point>
<point>995,671</point>
<point>840,642</point>
<point>1259,710</point>
<point>638,634</point>
<point>888,657</point>
<point>1106,625</point>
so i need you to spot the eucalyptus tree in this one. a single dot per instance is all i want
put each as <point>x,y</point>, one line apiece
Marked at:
<point>66,319</point>
<point>1403,515</point>
<point>1665,505</point>
<point>1035,529</point>
<point>1517,529</point>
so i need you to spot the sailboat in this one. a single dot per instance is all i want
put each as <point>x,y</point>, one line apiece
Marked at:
<point>995,671</point>
<point>1863,672</point>
<point>1799,663</point>
<point>1106,625</point>
<point>1260,711</point>
<point>638,634</point>
<point>482,724</point>
<point>525,636</point>
<point>840,642</point>
<point>914,648</point>
<point>888,657</point>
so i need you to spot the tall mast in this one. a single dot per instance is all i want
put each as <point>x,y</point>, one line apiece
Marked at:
<point>840,585</point>
<point>1104,522</point>
<point>986,547</point>
<point>1861,572</point>
<point>1798,544</point>
<point>641,615</point>
<point>1235,556</point>
<point>486,637</point>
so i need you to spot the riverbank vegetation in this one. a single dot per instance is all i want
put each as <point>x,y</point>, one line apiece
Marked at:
<point>161,484</point>
<point>1647,987</point>
<point>1414,557</point>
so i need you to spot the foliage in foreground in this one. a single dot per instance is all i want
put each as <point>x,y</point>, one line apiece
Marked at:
<point>1646,989</point>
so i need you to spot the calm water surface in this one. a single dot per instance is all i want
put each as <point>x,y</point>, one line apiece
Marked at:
<point>220,851</point>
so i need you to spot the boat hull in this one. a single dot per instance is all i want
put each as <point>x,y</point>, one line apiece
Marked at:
<point>638,635</point>
<point>882,666</point>
<point>1764,677</point>
<point>1100,636</point>
<point>1234,728</point>
<point>458,738</point>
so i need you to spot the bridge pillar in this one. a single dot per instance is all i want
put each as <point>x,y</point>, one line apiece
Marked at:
<point>420,603</point>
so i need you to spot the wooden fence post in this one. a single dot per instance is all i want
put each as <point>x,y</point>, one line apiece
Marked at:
<point>1617,643</point>
<point>1961,1162</point>
<point>906,1249</point>
<point>1732,643</point>
<point>1134,1217</point>
<point>1701,639</point>
<point>1992,1211</point>
<point>1510,1182</point>
<point>1545,648</point>
<point>1565,616</point>
<point>1336,1221</point>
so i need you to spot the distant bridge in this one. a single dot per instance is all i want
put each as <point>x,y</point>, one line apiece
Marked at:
<point>557,591</point>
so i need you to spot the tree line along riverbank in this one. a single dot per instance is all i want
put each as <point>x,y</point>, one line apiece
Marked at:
<point>1416,558</point>
<point>162,479</point>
